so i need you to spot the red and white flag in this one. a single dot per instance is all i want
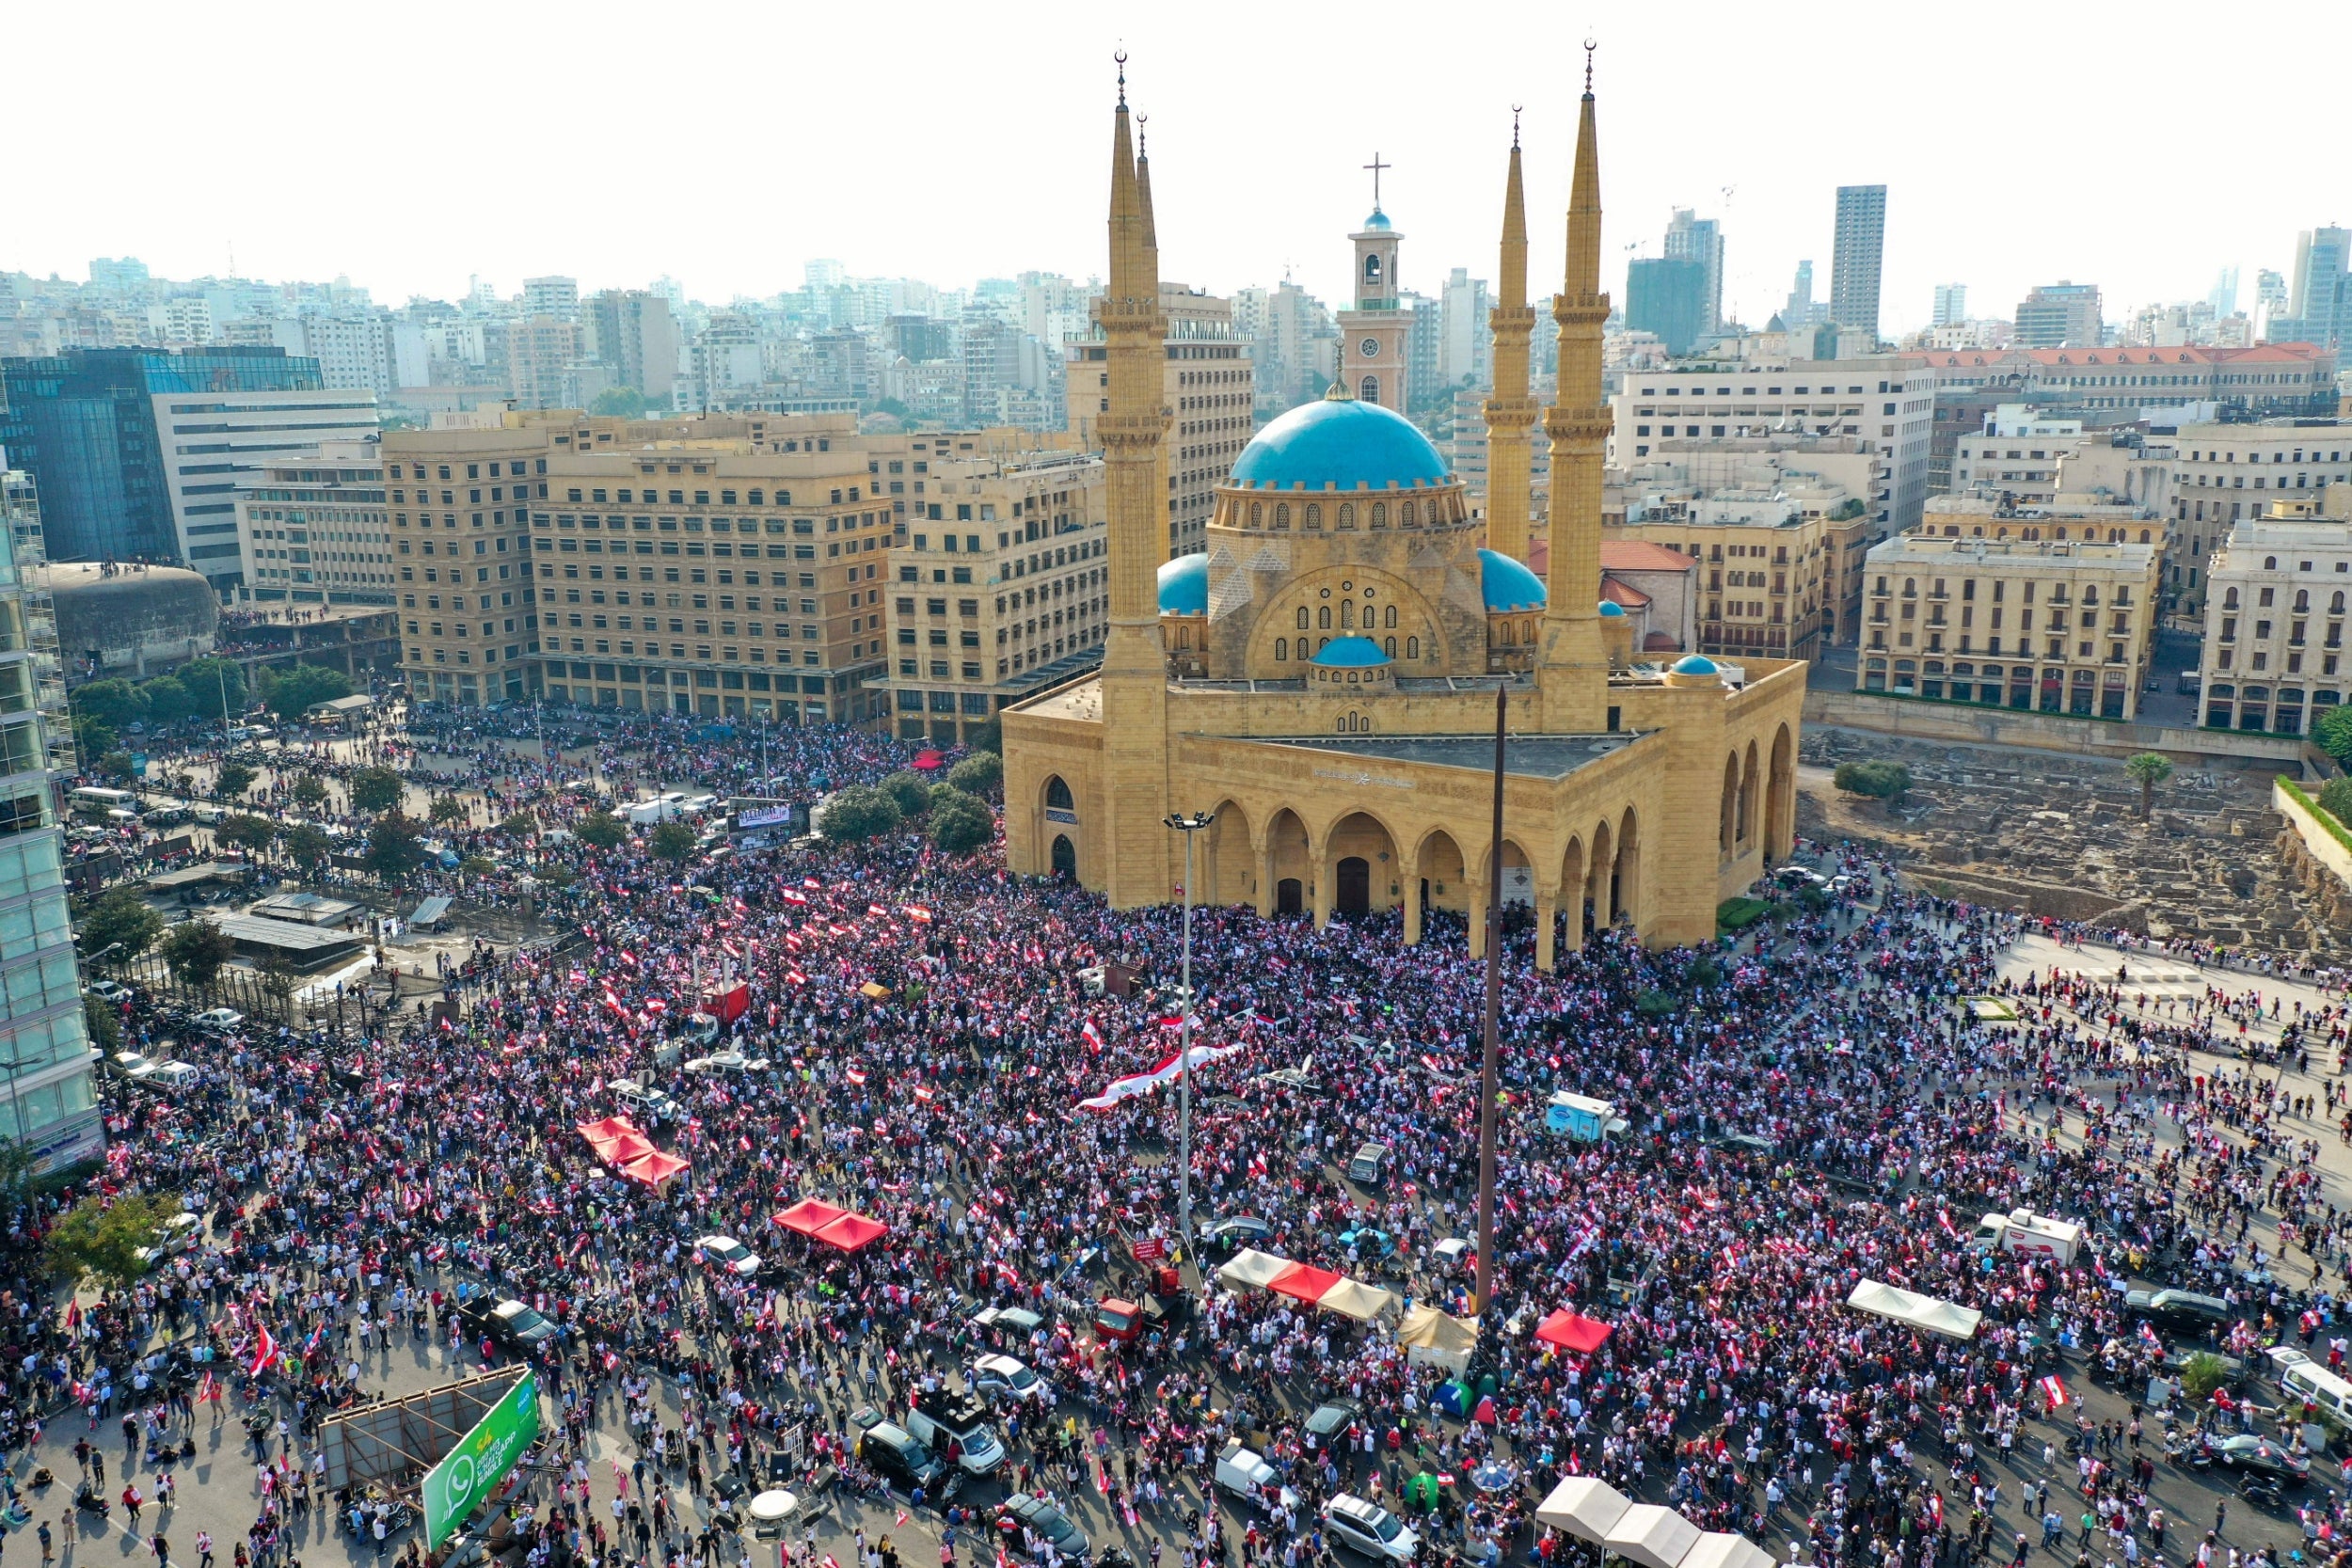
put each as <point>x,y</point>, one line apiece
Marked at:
<point>264,1352</point>
<point>1093,1036</point>
<point>2053,1389</point>
<point>1140,1083</point>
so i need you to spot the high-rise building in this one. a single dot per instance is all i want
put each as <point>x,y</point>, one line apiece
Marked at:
<point>537,350</point>
<point>1667,298</point>
<point>2059,315</point>
<point>633,331</point>
<point>1690,237</point>
<point>1798,311</point>
<point>1951,305</point>
<point>2321,306</point>
<point>316,532</point>
<point>558,297</point>
<point>1210,384</point>
<point>1465,349</point>
<point>2224,295</point>
<point>139,453</point>
<point>1857,257</point>
<point>51,1110</point>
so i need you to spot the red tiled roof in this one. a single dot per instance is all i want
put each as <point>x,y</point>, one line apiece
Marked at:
<point>1640,555</point>
<point>1619,594</point>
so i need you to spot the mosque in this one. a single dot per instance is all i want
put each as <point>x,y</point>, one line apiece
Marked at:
<point>1323,679</point>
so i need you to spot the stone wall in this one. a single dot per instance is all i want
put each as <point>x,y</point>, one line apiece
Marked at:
<point>2048,834</point>
<point>2050,731</point>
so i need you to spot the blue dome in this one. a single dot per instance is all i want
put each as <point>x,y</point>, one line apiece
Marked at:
<point>1339,443</point>
<point>1605,608</point>
<point>1378,220</point>
<point>1694,664</point>
<point>1350,652</point>
<point>1185,586</point>
<point>1507,585</point>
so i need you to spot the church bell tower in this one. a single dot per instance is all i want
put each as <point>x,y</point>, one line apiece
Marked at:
<point>1374,335</point>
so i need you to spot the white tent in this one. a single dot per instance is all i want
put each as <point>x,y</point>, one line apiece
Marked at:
<point>1716,1549</point>
<point>1652,1536</point>
<point>1585,1507</point>
<point>1437,1339</point>
<point>1251,1267</point>
<point>1930,1313</point>
<point>1355,1299</point>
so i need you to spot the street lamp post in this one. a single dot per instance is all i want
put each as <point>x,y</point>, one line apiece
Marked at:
<point>1188,826</point>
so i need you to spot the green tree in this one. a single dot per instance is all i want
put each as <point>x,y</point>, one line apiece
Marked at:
<point>374,789</point>
<point>215,685</point>
<point>522,824</point>
<point>120,920</point>
<point>97,1241</point>
<point>92,737</point>
<point>277,980</point>
<point>860,812</point>
<point>2201,1373</point>
<point>234,780</point>
<point>2335,799</point>
<point>2332,731</point>
<point>960,824</point>
<point>293,691</point>
<point>114,702</point>
<point>672,841</point>
<point>447,808</point>
<point>168,699</point>
<point>1875,781</point>
<point>987,738</point>
<point>978,773</point>
<point>114,766</point>
<point>246,832</point>
<point>197,950</point>
<point>620,403</point>
<point>601,829</point>
<point>308,790</point>
<point>474,868</point>
<point>909,789</point>
<point>306,845</point>
<point>394,851</point>
<point>2147,770</point>
<point>105,1029</point>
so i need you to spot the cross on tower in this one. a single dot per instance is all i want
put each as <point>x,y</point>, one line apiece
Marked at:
<point>1376,165</point>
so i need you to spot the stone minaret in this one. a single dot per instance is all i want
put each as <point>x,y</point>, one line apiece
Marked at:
<point>1128,841</point>
<point>1575,667</point>
<point>1510,412</point>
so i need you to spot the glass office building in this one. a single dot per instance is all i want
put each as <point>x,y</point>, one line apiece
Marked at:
<point>84,424</point>
<point>46,1099</point>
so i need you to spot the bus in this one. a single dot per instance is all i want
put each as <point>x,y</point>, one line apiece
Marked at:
<point>91,801</point>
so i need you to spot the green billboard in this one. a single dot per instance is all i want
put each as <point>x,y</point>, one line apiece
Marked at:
<point>481,1460</point>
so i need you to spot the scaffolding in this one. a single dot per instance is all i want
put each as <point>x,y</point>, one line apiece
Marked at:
<point>21,500</point>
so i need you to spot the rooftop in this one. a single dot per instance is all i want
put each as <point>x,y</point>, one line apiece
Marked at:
<point>1527,756</point>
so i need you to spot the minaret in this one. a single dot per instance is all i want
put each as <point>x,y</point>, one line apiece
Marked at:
<point>1510,412</point>
<point>1129,843</point>
<point>1574,672</point>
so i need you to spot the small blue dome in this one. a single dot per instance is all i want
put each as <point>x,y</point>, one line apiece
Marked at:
<point>1507,585</point>
<point>1339,443</point>
<point>1694,664</point>
<point>1350,652</point>
<point>1606,608</point>
<point>1378,220</point>
<point>1185,586</point>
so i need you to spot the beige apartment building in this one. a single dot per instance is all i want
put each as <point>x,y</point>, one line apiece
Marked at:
<point>2046,624</point>
<point>1210,383</point>
<point>998,587</point>
<point>2275,616</point>
<point>316,531</point>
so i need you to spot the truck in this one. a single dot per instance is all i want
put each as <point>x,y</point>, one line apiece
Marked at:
<point>956,1425</point>
<point>2026,1234</point>
<point>1244,1473</point>
<point>1583,1117</point>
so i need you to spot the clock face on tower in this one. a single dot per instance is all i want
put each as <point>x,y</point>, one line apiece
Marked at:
<point>1370,348</point>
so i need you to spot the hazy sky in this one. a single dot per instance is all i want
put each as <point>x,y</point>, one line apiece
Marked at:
<point>409,146</point>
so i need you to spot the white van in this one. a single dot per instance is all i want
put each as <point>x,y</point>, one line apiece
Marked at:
<point>2312,1381</point>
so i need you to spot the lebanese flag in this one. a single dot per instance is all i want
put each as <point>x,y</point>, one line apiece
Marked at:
<point>1140,1083</point>
<point>854,1075</point>
<point>792,897</point>
<point>916,912</point>
<point>1944,1221</point>
<point>1092,1035</point>
<point>2053,1389</point>
<point>265,1352</point>
<point>1935,1506</point>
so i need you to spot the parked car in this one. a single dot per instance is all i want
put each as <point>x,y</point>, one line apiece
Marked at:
<point>505,1323</point>
<point>897,1454</point>
<point>646,1100</point>
<point>1244,1473</point>
<point>1368,1165</point>
<point>1331,1418</point>
<point>113,992</point>
<point>956,1425</point>
<point>179,1233</point>
<point>1234,1232</point>
<point>2179,1311</point>
<point>217,1020</point>
<point>727,1061</point>
<point>1003,1376</point>
<point>1043,1522</point>
<point>727,1253</point>
<point>1369,1529</point>
<point>2249,1450</point>
<point>1367,1243</point>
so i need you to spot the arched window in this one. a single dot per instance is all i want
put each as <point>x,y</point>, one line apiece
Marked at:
<point>2061,533</point>
<point>2229,600</point>
<point>1058,795</point>
<point>1314,516</point>
<point>1281,515</point>
<point>1412,648</point>
<point>1282,650</point>
<point>2302,601</point>
<point>1347,514</point>
<point>1302,617</point>
<point>1388,647</point>
<point>2270,563</point>
<point>1347,614</point>
<point>1256,514</point>
<point>1372,267</point>
<point>1380,513</point>
<point>1369,391</point>
<point>2335,605</point>
<point>1323,617</point>
<point>1321,643</point>
<point>1391,619</point>
<point>1412,515</point>
<point>2143,536</point>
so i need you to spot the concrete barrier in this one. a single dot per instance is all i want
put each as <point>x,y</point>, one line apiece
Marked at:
<point>1918,719</point>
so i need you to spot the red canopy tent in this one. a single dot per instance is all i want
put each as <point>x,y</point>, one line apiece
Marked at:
<point>809,1216</point>
<point>1305,1282</point>
<point>1572,1331</point>
<point>624,1149</point>
<point>607,1129</point>
<point>653,1167</point>
<point>851,1232</point>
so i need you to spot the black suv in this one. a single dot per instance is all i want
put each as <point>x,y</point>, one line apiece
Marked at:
<point>894,1453</point>
<point>507,1322</point>
<point>2180,1312</point>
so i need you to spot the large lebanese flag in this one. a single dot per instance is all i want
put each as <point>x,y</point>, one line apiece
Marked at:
<point>1139,1083</point>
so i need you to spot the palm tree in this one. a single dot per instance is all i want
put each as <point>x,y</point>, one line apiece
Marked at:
<point>2149,768</point>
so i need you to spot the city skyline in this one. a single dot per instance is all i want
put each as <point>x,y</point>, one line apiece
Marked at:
<point>925,190</point>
